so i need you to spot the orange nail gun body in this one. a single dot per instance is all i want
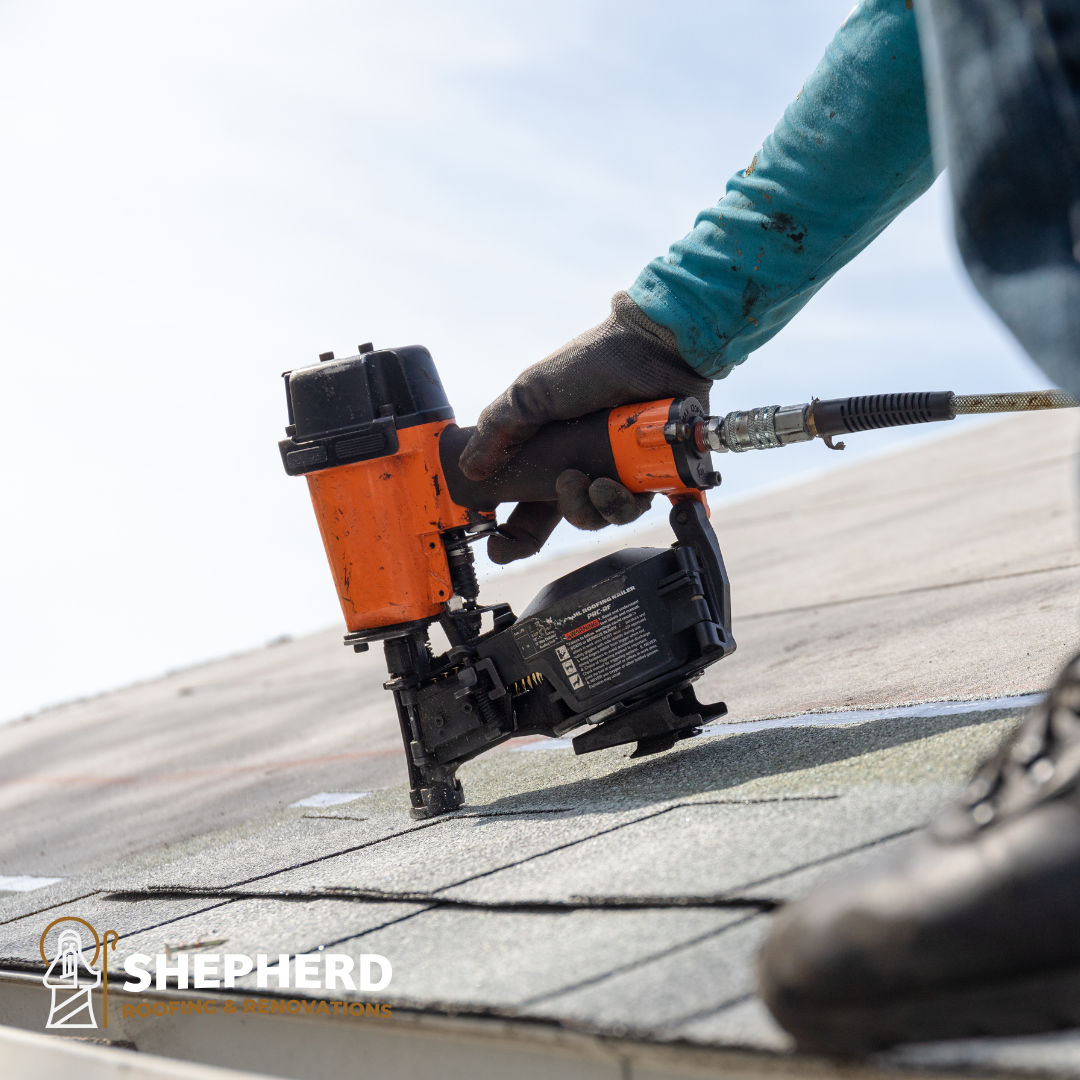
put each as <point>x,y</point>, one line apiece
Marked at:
<point>382,522</point>
<point>613,646</point>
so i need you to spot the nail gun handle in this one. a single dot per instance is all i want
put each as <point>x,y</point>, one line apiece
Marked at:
<point>646,447</point>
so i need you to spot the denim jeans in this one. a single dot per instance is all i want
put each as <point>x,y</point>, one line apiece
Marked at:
<point>1005,75</point>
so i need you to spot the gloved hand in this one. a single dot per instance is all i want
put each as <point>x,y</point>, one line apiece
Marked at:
<point>626,359</point>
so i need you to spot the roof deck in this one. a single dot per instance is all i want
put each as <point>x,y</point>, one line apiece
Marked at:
<point>580,916</point>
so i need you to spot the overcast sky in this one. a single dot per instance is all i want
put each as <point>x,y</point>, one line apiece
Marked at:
<point>198,196</point>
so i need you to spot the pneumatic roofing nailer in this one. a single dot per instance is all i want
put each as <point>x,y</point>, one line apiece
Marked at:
<point>613,647</point>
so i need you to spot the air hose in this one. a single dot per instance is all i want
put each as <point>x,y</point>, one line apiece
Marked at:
<point>775,425</point>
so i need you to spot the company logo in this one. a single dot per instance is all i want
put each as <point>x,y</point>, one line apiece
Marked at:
<point>209,971</point>
<point>70,980</point>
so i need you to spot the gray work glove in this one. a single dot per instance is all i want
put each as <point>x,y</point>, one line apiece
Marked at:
<point>626,359</point>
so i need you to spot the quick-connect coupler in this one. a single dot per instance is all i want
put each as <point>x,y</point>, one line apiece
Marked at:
<point>757,429</point>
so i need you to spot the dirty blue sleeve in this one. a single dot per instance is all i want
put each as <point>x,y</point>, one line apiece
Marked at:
<point>849,154</point>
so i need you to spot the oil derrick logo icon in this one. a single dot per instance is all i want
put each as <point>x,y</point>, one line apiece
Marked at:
<point>71,979</point>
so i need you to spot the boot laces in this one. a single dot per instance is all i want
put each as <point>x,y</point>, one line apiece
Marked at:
<point>1041,762</point>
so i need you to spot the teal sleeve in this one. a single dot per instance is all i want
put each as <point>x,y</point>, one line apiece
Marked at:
<point>849,154</point>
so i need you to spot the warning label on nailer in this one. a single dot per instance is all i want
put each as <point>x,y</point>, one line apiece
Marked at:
<point>597,637</point>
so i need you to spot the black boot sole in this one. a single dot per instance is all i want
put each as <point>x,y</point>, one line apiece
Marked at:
<point>1032,1004</point>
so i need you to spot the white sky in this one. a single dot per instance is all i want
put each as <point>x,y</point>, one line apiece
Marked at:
<point>198,196</point>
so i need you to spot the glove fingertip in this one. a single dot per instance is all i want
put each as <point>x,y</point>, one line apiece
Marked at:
<point>572,487</point>
<point>529,526</point>
<point>486,453</point>
<point>475,469</point>
<point>475,461</point>
<point>503,552</point>
<point>618,504</point>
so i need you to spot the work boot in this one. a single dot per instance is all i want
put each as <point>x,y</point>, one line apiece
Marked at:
<point>972,928</point>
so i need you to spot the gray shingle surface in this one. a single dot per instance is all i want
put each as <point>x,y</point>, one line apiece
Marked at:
<point>602,892</point>
<point>284,844</point>
<point>513,910</point>
<point>19,940</point>
<point>700,848</point>
<point>445,852</point>
<point>672,985</point>
<point>270,926</point>
<point>895,580</point>
<point>745,1023</point>
<point>522,961</point>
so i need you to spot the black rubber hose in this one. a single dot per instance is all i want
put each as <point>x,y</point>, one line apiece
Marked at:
<point>838,416</point>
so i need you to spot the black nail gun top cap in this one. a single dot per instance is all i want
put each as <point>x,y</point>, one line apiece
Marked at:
<point>340,395</point>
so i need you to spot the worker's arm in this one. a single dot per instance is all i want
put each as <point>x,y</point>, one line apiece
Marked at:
<point>848,155</point>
